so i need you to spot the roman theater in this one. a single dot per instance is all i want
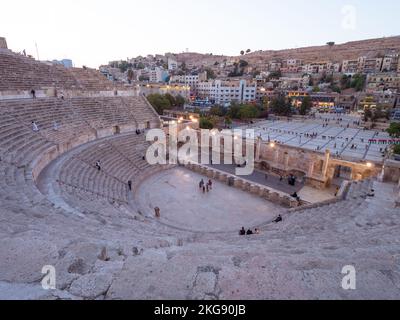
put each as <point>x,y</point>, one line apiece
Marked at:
<point>78,194</point>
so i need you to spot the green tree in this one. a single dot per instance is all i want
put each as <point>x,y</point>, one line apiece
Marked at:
<point>210,73</point>
<point>179,101</point>
<point>248,112</point>
<point>171,99</point>
<point>335,88</point>
<point>394,129</point>
<point>345,82</point>
<point>358,82</point>
<point>396,149</point>
<point>218,111</point>
<point>367,114</point>
<point>206,123</point>
<point>281,106</point>
<point>159,102</point>
<point>316,89</point>
<point>233,112</point>
<point>228,121</point>
<point>305,106</point>
<point>130,75</point>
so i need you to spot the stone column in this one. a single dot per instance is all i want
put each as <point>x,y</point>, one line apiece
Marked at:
<point>276,160</point>
<point>381,176</point>
<point>258,149</point>
<point>326,164</point>
<point>286,161</point>
<point>311,169</point>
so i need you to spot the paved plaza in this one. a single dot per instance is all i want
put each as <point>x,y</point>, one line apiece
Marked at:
<point>224,209</point>
<point>343,139</point>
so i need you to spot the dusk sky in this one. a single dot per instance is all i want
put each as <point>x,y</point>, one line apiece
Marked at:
<point>93,32</point>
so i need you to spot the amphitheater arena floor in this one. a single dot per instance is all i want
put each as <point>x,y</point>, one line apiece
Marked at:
<point>176,192</point>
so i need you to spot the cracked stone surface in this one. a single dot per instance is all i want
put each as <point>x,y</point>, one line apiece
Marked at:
<point>300,258</point>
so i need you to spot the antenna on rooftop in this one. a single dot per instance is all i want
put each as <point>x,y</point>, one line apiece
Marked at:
<point>37,51</point>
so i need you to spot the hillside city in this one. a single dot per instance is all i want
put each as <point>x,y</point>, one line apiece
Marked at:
<point>368,83</point>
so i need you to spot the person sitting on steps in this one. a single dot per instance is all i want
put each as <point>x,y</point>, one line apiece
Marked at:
<point>242,232</point>
<point>35,127</point>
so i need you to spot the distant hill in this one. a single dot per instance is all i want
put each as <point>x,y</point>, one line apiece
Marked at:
<point>351,50</point>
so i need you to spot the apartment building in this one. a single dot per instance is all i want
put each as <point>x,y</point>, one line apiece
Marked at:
<point>172,64</point>
<point>225,92</point>
<point>384,99</point>
<point>189,80</point>
<point>383,81</point>
<point>324,101</point>
<point>291,83</point>
<point>347,102</point>
<point>334,67</point>
<point>297,97</point>
<point>160,88</point>
<point>292,66</point>
<point>293,63</point>
<point>390,63</point>
<point>350,66</point>
<point>274,66</point>
<point>310,68</point>
<point>157,74</point>
<point>366,65</point>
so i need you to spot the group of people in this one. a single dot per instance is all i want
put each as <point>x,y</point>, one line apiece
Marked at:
<point>249,232</point>
<point>205,187</point>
